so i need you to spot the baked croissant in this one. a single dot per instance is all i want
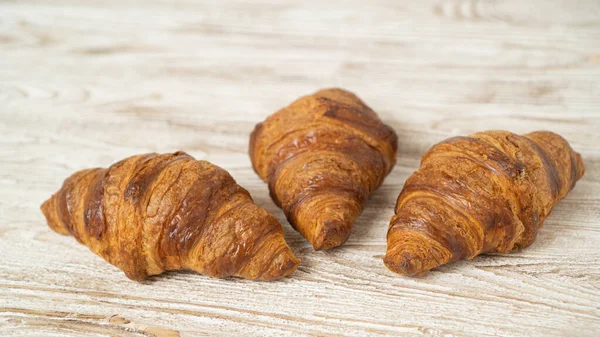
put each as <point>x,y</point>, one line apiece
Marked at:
<point>322,156</point>
<point>489,192</point>
<point>151,213</point>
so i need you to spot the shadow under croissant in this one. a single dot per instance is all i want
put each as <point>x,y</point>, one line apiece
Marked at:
<point>190,275</point>
<point>483,261</point>
<point>460,267</point>
<point>173,274</point>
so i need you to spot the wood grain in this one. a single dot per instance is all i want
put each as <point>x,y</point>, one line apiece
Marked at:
<point>85,84</point>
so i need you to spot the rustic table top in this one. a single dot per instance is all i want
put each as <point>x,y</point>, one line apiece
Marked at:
<point>84,84</point>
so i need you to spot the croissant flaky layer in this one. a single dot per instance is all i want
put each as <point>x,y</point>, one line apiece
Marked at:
<point>489,192</point>
<point>151,213</point>
<point>322,156</point>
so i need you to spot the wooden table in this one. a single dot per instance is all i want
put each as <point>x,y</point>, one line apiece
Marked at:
<point>87,83</point>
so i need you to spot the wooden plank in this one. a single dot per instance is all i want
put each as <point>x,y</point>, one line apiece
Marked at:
<point>86,84</point>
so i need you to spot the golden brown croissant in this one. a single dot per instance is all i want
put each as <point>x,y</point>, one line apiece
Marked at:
<point>151,213</point>
<point>489,192</point>
<point>322,156</point>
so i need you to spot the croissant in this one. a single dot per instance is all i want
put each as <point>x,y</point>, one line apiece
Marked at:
<point>151,213</point>
<point>322,156</point>
<point>489,192</point>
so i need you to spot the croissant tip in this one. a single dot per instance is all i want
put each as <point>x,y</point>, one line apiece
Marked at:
<point>284,264</point>
<point>53,222</point>
<point>403,264</point>
<point>332,234</point>
<point>416,256</point>
<point>580,166</point>
<point>44,207</point>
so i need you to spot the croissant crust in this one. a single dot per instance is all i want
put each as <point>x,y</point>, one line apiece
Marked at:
<point>151,213</point>
<point>489,192</point>
<point>322,156</point>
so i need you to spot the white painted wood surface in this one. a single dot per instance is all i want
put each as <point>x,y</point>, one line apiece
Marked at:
<point>86,83</point>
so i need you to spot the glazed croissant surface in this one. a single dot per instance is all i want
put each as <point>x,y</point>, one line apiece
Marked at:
<point>489,192</point>
<point>322,156</point>
<point>151,213</point>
